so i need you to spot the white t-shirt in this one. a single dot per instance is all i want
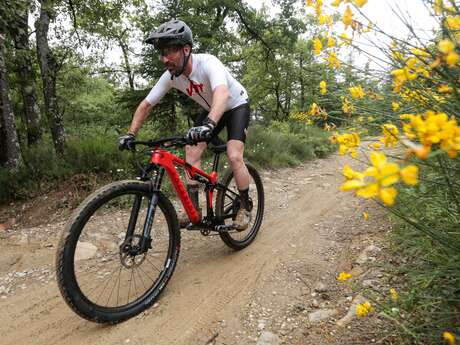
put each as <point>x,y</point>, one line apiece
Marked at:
<point>207,73</point>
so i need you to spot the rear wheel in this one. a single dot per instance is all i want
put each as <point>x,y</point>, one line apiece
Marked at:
<point>103,273</point>
<point>228,203</point>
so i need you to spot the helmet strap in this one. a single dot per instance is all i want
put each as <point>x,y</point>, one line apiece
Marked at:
<point>184,64</point>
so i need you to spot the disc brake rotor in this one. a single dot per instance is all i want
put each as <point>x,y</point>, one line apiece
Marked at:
<point>130,255</point>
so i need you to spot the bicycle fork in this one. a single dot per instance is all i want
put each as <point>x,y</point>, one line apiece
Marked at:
<point>145,241</point>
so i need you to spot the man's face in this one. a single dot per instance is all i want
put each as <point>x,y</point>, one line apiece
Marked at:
<point>172,57</point>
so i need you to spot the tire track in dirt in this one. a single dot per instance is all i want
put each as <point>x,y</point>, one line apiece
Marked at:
<point>211,282</point>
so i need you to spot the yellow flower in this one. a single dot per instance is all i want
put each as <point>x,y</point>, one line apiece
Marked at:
<point>446,46</point>
<point>394,106</point>
<point>348,143</point>
<point>364,309</point>
<point>409,175</point>
<point>380,176</point>
<point>376,146</point>
<point>325,19</point>
<point>386,174</point>
<point>333,60</point>
<point>344,37</point>
<point>344,276</point>
<point>360,3</point>
<point>314,109</point>
<point>347,17</point>
<point>323,87</point>
<point>411,62</point>
<point>433,129</point>
<point>309,3</point>
<point>357,92</point>
<point>438,6</point>
<point>394,294</point>
<point>452,59</point>
<point>435,63</point>
<point>330,42</point>
<point>420,151</point>
<point>388,195</point>
<point>420,53</point>
<point>350,174</point>
<point>390,135</point>
<point>336,3</point>
<point>319,5</point>
<point>317,46</point>
<point>449,338</point>
<point>444,89</point>
<point>351,184</point>
<point>453,22</point>
<point>347,107</point>
<point>366,216</point>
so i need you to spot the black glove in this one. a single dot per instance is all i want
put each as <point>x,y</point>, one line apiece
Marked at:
<point>203,132</point>
<point>125,142</point>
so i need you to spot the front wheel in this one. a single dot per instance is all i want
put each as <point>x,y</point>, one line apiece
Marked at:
<point>228,203</point>
<point>106,271</point>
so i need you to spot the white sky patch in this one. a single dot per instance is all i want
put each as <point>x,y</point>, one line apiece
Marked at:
<point>396,18</point>
<point>384,14</point>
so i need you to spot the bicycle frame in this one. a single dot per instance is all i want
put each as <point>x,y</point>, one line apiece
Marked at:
<point>169,162</point>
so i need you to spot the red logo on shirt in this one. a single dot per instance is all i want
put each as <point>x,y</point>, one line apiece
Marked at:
<point>194,87</point>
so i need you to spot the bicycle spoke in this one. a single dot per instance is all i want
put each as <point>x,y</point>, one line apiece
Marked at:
<point>111,291</point>
<point>142,280</point>
<point>129,289</point>
<point>153,265</point>
<point>119,282</point>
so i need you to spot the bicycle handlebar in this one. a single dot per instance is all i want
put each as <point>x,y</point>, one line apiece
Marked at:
<point>174,141</point>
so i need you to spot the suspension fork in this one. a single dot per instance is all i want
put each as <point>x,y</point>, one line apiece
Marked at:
<point>155,184</point>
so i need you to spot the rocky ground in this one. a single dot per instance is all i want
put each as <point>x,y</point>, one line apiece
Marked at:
<point>280,290</point>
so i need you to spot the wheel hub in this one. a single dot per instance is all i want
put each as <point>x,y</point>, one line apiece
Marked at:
<point>130,252</point>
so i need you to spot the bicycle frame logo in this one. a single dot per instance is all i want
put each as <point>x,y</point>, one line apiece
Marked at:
<point>169,162</point>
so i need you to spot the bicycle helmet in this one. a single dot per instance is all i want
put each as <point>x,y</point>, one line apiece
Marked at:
<point>173,32</point>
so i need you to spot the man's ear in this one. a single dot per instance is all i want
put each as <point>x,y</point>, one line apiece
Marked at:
<point>187,49</point>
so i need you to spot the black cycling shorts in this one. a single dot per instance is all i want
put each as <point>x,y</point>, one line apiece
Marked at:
<point>236,120</point>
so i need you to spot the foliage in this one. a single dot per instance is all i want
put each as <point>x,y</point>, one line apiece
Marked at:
<point>298,143</point>
<point>412,167</point>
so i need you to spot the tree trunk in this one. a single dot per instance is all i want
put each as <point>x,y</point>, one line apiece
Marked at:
<point>11,152</point>
<point>48,68</point>
<point>27,79</point>
<point>173,118</point>
<point>129,72</point>
<point>302,86</point>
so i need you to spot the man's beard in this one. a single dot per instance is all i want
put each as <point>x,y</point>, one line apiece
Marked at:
<point>171,67</point>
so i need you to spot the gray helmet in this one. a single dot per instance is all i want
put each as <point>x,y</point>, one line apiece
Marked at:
<point>174,32</point>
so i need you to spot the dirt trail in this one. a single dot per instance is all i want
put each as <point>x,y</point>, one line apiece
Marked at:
<point>216,295</point>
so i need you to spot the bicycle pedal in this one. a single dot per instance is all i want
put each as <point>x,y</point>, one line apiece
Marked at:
<point>193,227</point>
<point>224,228</point>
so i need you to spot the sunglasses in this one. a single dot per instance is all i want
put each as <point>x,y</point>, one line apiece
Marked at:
<point>166,51</point>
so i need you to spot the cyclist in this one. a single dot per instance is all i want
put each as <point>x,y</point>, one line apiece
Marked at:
<point>225,101</point>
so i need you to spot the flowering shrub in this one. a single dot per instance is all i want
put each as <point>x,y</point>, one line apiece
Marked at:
<point>415,113</point>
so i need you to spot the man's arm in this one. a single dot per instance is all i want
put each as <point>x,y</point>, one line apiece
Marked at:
<point>219,102</point>
<point>139,117</point>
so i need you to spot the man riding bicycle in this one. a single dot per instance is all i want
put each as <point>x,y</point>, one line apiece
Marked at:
<point>205,79</point>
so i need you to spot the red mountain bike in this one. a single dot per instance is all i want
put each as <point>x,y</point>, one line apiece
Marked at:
<point>120,247</point>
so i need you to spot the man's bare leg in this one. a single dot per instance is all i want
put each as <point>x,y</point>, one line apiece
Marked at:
<point>192,156</point>
<point>235,150</point>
